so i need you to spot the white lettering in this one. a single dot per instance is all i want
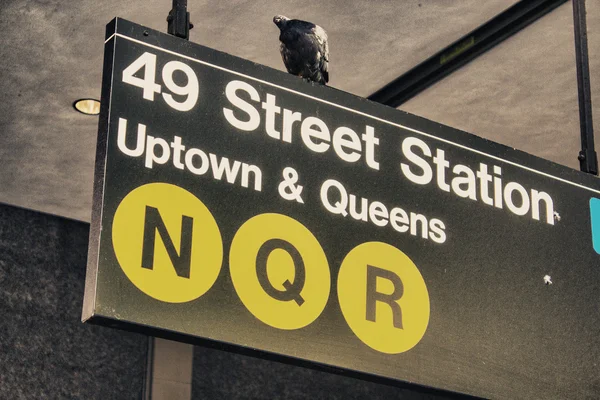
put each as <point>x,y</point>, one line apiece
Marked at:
<point>345,138</point>
<point>427,174</point>
<point>141,138</point>
<point>509,189</point>
<point>339,207</point>
<point>151,156</point>
<point>321,134</point>
<point>253,116</point>
<point>536,197</point>
<point>204,163</point>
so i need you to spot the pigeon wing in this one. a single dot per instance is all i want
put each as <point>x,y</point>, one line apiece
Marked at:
<point>323,57</point>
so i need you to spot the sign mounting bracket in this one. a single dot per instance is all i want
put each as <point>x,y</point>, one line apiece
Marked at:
<point>178,20</point>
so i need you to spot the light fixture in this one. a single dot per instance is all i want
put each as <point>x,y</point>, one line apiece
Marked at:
<point>87,106</point>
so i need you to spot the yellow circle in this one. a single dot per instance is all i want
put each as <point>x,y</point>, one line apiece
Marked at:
<point>280,299</point>
<point>175,235</point>
<point>383,297</point>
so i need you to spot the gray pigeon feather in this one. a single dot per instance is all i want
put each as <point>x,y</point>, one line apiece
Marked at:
<point>304,48</point>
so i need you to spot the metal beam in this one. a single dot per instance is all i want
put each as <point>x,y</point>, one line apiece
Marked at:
<point>463,50</point>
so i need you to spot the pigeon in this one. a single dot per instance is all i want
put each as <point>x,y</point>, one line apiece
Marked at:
<point>304,49</point>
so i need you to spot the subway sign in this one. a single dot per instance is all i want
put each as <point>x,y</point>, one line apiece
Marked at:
<point>241,207</point>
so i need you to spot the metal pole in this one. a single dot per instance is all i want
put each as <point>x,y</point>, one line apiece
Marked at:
<point>147,393</point>
<point>179,20</point>
<point>588,160</point>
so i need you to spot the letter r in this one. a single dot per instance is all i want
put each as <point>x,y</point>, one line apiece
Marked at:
<point>373,296</point>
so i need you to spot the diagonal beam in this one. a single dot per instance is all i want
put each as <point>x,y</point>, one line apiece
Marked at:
<point>463,50</point>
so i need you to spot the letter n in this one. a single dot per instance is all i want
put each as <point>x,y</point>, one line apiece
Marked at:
<point>373,296</point>
<point>153,223</point>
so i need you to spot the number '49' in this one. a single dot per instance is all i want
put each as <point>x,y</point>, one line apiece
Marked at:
<point>147,61</point>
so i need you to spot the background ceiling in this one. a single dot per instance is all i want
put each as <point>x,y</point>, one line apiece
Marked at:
<point>522,93</point>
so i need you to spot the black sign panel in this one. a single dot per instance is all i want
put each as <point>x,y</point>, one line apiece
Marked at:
<point>241,206</point>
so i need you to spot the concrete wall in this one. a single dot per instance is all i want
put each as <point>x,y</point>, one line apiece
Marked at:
<point>45,350</point>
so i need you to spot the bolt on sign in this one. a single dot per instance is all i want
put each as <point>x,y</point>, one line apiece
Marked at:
<point>241,207</point>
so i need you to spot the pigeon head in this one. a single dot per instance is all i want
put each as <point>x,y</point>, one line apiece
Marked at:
<point>281,21</point>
